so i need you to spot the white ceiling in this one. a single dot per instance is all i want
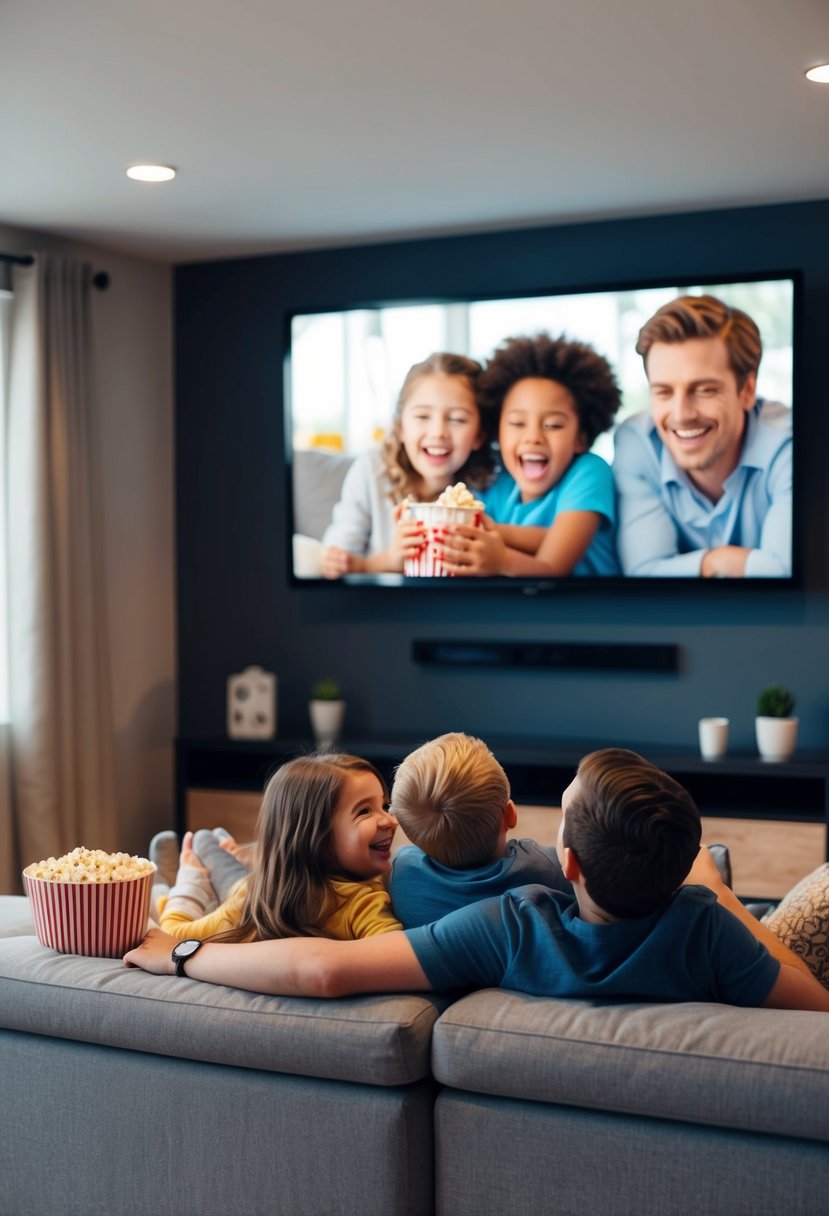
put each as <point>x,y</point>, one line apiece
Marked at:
<point>316,122</point>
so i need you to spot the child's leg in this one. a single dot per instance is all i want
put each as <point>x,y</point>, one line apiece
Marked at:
<point>225,870</point>
<point>164,850</point>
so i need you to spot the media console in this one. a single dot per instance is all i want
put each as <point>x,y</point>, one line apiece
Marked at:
<point>738,786</point>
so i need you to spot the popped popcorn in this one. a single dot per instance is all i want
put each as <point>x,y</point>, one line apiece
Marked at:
<point>459,496</point>
<point>90,865</point>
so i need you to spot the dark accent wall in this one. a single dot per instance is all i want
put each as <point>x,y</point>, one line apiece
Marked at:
<point>235,606</point>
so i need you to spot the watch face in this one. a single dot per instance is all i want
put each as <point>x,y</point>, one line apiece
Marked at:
<point>186,948</point>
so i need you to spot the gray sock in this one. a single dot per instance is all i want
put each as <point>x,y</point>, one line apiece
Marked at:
<point>164,851</point>
<point>225,870</point>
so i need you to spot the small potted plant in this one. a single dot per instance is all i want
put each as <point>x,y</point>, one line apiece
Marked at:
<point>326,710</point>
<point>775,728</point>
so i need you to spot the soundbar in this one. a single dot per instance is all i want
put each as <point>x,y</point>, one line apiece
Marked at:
<point>563,656</point>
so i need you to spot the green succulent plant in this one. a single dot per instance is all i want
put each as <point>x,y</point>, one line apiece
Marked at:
<point>775,702</point>
<point>326,690</point>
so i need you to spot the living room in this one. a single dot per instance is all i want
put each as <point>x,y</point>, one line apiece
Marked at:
<point>197,573</point>
<point>190,343</point>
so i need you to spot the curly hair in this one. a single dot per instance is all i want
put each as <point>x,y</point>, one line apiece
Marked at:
<point>634,830</point>
<point>478,470</point>
<point>706,317</point>
<point>587,376</point>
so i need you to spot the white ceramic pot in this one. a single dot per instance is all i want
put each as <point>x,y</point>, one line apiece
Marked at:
<point>326,720</point>
<point>776,738</point>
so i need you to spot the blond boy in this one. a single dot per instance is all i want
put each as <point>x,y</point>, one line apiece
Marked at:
<point>452,799</point>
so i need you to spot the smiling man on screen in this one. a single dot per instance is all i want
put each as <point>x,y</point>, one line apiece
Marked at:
<point>704,479</point>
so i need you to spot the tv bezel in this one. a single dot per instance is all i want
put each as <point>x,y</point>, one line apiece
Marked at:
<point>571,584</point>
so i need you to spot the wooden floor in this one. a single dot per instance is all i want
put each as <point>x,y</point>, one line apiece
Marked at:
<point>767,857</point>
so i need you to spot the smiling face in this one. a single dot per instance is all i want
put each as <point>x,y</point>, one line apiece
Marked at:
<point>699,411</point>
<point>362,829</point>
<point>439,427</point>
<point>539,434</point>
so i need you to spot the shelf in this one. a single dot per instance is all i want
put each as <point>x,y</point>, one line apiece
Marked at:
<point>738,786</point>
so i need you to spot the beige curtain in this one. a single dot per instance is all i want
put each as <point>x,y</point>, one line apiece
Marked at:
<point>61,734</point>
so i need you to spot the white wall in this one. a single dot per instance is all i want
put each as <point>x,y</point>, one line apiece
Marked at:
<point>133,354</point>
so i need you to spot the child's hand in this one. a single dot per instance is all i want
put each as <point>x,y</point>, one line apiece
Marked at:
<point>189,857</point>
<point>336,562</point>
<point>409,539</point>
<point>474,551</point>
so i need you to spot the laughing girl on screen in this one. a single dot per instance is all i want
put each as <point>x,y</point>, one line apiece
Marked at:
<point>437,438</point>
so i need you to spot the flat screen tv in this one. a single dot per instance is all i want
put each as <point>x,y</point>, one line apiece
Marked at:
<point>343,375</point>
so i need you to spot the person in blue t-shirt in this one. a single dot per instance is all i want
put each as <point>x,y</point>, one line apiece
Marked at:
<point>452,799</point>
<point>551,510</point>
<point>628,837</point>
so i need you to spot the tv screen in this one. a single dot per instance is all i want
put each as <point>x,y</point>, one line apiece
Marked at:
<point>586,463</point>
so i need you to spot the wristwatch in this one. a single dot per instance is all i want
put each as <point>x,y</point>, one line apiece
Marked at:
<point>182,951</point>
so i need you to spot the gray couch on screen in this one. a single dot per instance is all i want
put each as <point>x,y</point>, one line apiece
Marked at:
<point>128,1094</point>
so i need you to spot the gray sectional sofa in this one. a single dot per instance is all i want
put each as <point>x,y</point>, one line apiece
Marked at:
<point>124,1093</point>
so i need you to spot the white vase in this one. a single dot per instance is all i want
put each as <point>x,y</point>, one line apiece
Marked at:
<point>776,738</point>
<point>326,720</point>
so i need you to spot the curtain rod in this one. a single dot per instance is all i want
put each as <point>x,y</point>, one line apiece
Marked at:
<point>99,280</point>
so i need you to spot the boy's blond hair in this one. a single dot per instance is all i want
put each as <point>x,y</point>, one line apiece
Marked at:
<point>449,797</point>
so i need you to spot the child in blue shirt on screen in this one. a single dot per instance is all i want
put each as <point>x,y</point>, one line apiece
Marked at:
<point>553,500</point>
<point>452,799</point>
<point>629,835</point>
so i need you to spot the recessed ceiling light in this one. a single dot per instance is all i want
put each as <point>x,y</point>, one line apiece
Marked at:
<point>151,173</point>
<point>819,73</point>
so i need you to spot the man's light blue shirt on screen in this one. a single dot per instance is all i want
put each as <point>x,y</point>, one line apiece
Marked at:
<point>666,525</point>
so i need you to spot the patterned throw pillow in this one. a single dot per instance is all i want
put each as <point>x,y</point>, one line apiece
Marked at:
<point>801,920</point>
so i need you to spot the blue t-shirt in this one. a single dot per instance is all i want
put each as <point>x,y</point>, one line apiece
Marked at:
<point>586,486</point>
<point>532,940</point>
<point>423,890</point>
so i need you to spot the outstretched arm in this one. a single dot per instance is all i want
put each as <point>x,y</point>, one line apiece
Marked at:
<point>795,987</point>
<point>297,966</point>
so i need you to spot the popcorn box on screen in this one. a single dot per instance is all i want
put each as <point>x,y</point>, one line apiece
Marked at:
<point>101,917</point>
<point>436,517</point>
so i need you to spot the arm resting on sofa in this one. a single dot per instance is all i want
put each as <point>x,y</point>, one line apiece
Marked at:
<point>296,966</point>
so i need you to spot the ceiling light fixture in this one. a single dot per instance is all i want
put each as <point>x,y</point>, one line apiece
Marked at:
<point>819,73</point>
<point>151,173</point>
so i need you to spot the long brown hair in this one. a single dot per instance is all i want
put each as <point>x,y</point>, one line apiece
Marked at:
<point>291,879</point>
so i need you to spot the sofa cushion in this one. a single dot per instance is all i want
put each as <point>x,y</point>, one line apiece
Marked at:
<point>759,1070</point>
<point>15,916</point>
<point>801,920</point>
<point>375,1040</point>
<point>318,477</point>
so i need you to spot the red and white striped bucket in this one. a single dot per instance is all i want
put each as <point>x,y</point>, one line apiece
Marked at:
<point>436,517</point>
<point>100,919</point>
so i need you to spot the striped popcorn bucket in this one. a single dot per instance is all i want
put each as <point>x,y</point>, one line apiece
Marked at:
<point>428,563</point>
<point>101,919</point>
